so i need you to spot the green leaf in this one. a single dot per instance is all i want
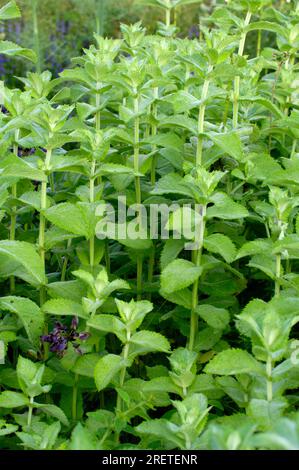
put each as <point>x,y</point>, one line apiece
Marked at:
<point>82,439</point>
<point>148,341</point>
<point>217,318</point>
<point>267,26</point>
<point>180,121</point>
<point>85,365</point>
<point>226,208</point>
<point>64,307</point>
<point>16,167</point>
<point>171,250</point>
<point>54,236</point>
<point>265,412</point>
<point>10,399</point>
<point>162,429</point>
<point>20,259</point>
<point>106,369</point>
<point>26,370</point>
<point>182,101</point>
<point>73,290</point>
<point>6,428</point>
<point>10,11</point>
<point>173,184</point>
<point>255,247</point>
<point>114,169</point>
<point>109,324</point>
<point>167,140</point>
<point>11,49</point>
<point>33,199</point>
<point>221,244</point>
<point>70,217</point>
<point>179,274</point>
<point>283,435</point>
<point>266,263</point>
<point>76,75</point>
<point>160,384</point>
<point>181,297</point>
<point>264,102</point>
<point>233,362</point>
<point>29,313</point>
<point>230,143</point>
<point>54,411</point>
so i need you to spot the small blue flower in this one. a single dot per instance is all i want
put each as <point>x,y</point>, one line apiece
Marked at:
<point>62,335</point>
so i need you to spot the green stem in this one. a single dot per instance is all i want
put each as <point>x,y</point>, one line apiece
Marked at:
<point>201,117</point>
<point>137,184</point>
<point>151,266</point>
<point>98,128</point>
<point>288,65</point>
<point>43,207</point>
<point>30,409</point>
<point>107,257</point>
<point>175,16</point>
<point>136,150</point>
<point>154,133</point>
<point>41,242</point>
<point>13,219</point>
<point>237,79</point>
<point>91,200</point>
<point>168,17</point>
<point>278,274</point>
<point>187,76</point>
<point>259,43</point>
<point>294,146</point>
<point>139,277</point>
<point>100,13</point>
<point>98,25</point>
<point>197,261</point>
<point>98,111</point>
<point>36,36</point>
<point>125,355</point>
<point>74,398</point>
<point>226,107</point>
<point>269,379</point>
<point>65,262</point>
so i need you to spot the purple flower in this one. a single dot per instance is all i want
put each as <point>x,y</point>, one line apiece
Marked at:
<point>62,335</point>
<point>74,324</point>
<point>193,32</point>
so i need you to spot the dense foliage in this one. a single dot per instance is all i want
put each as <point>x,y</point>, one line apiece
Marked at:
<point>137,342</point>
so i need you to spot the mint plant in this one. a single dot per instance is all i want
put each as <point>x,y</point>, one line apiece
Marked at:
<point>149,238</point>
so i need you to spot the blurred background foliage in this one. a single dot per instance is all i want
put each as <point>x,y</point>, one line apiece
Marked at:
<point>58,29</point>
